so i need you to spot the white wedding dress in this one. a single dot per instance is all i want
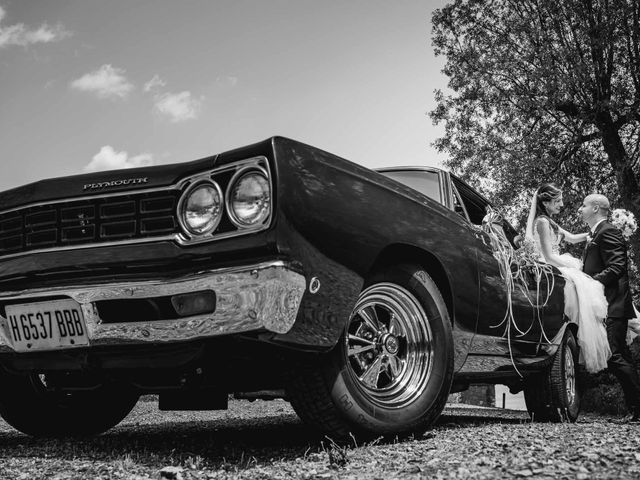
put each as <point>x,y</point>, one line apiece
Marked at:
<point>584,304</point>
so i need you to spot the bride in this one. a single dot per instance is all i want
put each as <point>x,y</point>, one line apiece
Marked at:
<point>585,303</point>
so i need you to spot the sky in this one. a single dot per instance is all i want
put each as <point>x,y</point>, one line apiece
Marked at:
<point>89,85</point>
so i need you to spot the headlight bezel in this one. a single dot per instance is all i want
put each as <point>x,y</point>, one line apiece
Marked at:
<point>181,208</point>
<point>235,179</point>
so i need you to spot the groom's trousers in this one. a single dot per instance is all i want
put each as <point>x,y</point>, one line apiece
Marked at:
<point>621,363</point>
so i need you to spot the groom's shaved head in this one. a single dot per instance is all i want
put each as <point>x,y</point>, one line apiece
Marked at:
<point>594,208</point>
<point>600,200</point>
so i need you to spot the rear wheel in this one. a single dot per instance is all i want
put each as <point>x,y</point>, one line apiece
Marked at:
<point>554,395</point>
<point>33,406</point>
<point>391,371</point>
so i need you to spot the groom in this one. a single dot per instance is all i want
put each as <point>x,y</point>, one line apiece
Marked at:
<point>605,259</point>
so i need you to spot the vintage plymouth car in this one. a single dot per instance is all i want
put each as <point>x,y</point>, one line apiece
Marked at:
<point>365,297</point>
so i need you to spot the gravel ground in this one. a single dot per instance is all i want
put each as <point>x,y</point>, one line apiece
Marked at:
<point>261,440</point>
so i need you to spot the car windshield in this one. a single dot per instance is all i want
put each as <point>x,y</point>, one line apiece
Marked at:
<point>423,181</point>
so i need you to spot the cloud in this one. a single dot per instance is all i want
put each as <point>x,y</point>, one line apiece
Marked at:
<point>227,81</point>
<point>155,84</point>
<point>108,159</point>
<point>178,106</point>
<point>106,82</point>
<point>19,34</point>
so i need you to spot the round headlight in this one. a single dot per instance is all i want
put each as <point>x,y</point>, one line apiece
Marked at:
<point>200,208</point>
<point>249,199</point>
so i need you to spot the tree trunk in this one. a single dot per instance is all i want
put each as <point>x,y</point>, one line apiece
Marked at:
<point>628,185</point>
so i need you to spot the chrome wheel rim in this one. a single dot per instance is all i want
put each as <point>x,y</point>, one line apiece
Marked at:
<point>388,346</point>
<point>569,376</point>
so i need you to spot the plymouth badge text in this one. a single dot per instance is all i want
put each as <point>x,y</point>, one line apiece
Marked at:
<point>115,183</point>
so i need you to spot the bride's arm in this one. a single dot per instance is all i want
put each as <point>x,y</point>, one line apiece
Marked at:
<point>573,237</point>
<point>544,231</point>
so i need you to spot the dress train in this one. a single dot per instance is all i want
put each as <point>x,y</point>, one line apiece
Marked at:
<point>586,305</point>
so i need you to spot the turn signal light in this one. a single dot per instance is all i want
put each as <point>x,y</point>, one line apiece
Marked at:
<point>188,304</point>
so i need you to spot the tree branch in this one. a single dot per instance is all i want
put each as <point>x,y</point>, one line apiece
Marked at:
<point>570,109</point>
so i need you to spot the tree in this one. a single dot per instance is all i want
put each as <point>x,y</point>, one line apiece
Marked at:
<point>542,90</point>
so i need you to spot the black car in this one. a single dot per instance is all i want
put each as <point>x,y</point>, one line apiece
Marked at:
<point>363,297</point>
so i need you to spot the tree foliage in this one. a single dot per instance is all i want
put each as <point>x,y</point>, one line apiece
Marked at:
<point>542,90</point>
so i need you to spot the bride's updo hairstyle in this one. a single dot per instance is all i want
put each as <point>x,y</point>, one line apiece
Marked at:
<point>546,193</point>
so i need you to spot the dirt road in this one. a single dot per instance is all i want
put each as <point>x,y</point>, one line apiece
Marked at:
<point>263,440</point>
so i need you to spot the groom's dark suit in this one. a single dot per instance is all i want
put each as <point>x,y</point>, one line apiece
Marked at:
<point>605,259</point>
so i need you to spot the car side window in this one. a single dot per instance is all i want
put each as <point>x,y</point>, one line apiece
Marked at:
<point>425,182</point>
<point>474,204</point>
<point>458,204</point>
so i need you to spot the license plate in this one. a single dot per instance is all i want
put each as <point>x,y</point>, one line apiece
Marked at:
<point>46,325</point>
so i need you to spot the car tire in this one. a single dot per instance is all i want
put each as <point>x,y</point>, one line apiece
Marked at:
<point>27,404</point>
<point>391,371</point>
<point>554,396</point>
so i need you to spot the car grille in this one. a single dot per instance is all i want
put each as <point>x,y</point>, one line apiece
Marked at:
<point>88,221</point>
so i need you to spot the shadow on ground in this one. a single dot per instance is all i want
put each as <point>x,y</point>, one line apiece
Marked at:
<point>239,442</point>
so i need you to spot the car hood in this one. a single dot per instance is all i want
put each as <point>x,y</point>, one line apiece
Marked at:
<point>99,183</point>
<point>113,181</point>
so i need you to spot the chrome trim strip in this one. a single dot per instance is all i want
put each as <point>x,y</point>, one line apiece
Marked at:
<point>251,297</point>
<point>410,167</point>
<point>180,238</point>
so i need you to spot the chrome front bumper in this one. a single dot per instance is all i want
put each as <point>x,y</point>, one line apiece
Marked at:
<point>262,296</point>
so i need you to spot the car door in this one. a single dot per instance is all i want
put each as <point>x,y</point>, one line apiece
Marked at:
<point>518,315</point>
<point>457,249</point>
